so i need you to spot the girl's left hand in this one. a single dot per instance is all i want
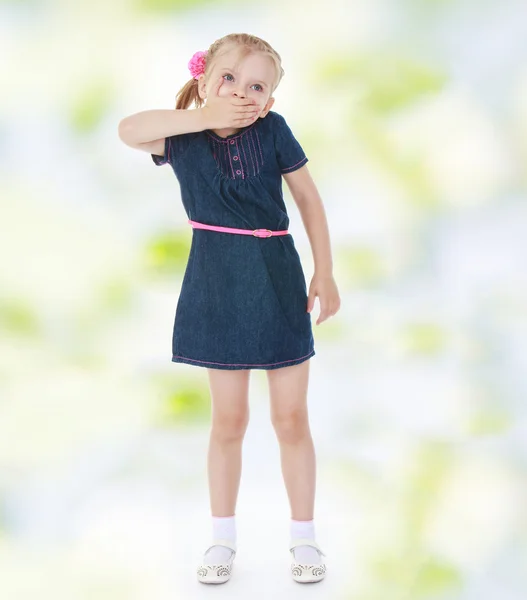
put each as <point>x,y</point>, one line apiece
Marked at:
<point>325,288</point>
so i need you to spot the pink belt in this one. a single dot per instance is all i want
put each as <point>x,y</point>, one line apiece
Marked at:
<point>256,232</point>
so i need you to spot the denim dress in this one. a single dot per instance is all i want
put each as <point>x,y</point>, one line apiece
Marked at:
<point>243,299</point>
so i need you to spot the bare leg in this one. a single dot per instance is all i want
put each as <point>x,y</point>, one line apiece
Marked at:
<point>289,416</point>
<point>230,418</point>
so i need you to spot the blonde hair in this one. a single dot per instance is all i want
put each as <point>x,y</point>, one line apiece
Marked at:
<point>247,43</point>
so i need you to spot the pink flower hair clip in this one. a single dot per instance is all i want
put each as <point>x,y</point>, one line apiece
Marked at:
<point>197,63</point>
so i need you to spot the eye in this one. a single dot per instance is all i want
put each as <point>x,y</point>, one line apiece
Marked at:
<point>228,75</point>
<point>259,86</point>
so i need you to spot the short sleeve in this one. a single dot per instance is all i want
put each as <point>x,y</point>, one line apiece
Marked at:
<point>289,152</point>
<point>175,146</point>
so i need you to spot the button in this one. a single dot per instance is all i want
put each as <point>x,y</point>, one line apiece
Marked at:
<point>238,172</point>
<point>232,141</point>
<point>235,157</point>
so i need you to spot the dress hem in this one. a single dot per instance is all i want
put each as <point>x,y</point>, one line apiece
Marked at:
<point>238,366</point>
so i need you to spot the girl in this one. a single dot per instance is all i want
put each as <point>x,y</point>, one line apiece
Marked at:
<point>243,303</point>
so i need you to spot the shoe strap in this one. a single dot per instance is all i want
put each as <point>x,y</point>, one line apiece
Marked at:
<point>305,542</point>
<point>221,542</point>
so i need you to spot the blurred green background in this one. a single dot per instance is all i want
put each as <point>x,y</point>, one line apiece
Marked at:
<point>414,117</point>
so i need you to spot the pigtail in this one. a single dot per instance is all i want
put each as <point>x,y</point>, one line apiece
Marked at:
<point>188,94</point>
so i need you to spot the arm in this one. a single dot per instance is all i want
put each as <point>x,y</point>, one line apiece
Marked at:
<point>309,202</point>
<point>152,125</point>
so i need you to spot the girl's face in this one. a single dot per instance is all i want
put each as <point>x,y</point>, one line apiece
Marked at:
<point>249,77</point>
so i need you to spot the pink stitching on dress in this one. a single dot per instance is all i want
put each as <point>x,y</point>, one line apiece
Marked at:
<point>251,155</point>
<point>223,165</point>
<point>230,160</point>
<point>259,147</point>
<point>216,158</point>
<point>211,362</point>
<point>254,148</point>
<point>240,160</point>
<point>289,168</point>
<point>245,155</point>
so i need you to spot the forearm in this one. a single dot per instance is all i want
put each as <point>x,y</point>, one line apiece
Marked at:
<point>150,125</point>
<point>315,222</point>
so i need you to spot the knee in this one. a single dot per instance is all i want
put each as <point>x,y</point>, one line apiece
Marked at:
<point>291,425</point>
<point>230,426</point>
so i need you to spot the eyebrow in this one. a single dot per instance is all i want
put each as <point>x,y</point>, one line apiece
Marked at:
<point>234,71</point>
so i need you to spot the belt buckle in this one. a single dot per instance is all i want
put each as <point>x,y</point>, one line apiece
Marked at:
<point>262,236</point>
<point>258,230</point>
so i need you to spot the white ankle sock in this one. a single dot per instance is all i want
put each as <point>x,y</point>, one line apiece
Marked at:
<point>305,555</point>
<point>223,528</point>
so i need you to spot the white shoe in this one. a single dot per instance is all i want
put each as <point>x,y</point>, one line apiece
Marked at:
<point>306,573</point>
<point>217,573</point>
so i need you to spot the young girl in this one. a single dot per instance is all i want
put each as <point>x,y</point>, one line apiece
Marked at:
<point>243,303</point>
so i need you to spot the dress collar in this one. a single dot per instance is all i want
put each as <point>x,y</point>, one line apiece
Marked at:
<point>233,136</point>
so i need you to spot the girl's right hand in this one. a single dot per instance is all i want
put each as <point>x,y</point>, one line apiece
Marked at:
<point>229,111</point>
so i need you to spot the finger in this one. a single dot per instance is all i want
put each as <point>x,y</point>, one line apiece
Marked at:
<point>245,111</point>
<point>310,302</point>
<point>244,122</point>
<point>325,310</point>
<point>246,117</point>
<point>322,316</point>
